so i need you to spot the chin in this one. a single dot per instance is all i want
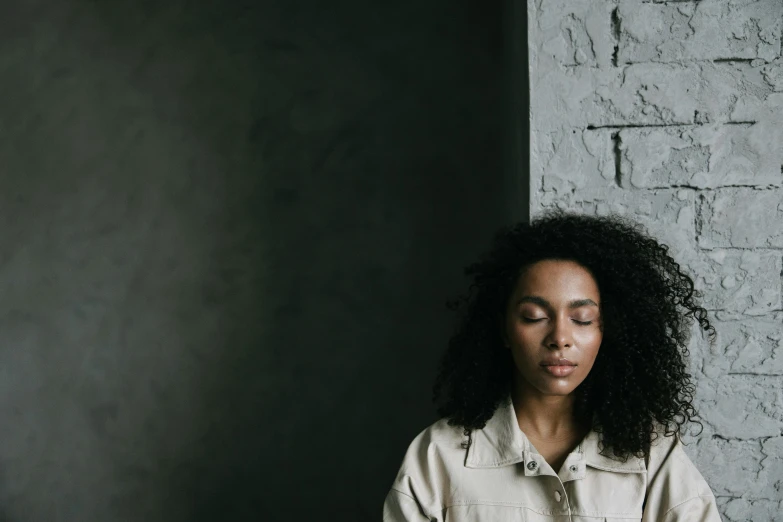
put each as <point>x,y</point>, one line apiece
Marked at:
<point>545,385</point>
<point>559,392</point>
<point>551,388</point>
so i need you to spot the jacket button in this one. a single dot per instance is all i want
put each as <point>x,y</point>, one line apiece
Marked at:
<point>557,496</point>
<point>532,465</point>
<point>573,469</point>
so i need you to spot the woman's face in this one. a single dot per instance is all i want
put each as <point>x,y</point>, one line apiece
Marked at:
<point>553,326</point>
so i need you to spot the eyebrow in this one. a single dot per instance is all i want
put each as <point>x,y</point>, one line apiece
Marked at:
<point>543,302</point>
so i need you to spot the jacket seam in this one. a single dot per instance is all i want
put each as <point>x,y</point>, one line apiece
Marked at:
<point>504,504</point>
<point>403,493</point>
<point>426,512</point>
<point>550,511</point>
<point>495,463</point>
<point>685,502</point>
<point>617,469</point>
<point>546,512</point>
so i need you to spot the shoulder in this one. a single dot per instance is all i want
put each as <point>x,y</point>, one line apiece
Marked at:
<point>431,458</point>
<point>668,452</point>
<point>437,444</point>
<point>672,475</point>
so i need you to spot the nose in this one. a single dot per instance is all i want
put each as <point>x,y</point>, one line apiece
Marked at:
<point>559,335</point>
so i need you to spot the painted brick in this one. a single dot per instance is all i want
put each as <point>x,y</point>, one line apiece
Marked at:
<point>573,159</point>
<point>755,103</point>
<point>656,94</point>
<point>743,282</point>
<point>714,455</point>
<point>708,30</point>
<point>742,217</point>
<point>735,407</point>
<point>704,156</point>
<point>668,215</point>
<point>571,33</point>
<point>750,346</point>
<point>693,108</point>
<point>772,464</point>
<point>741,509</point>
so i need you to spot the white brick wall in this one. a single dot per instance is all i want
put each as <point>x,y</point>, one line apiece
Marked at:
<point>672,112</point>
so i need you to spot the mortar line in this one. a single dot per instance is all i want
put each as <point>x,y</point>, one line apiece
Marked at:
<point>732,60</point>
<point>618,158</point>
<point>756,374</point>
<point>756,249</point>
<point>693,61</point>
<point>659,125</point>
<point>710,189</point>
<point>616,31</point>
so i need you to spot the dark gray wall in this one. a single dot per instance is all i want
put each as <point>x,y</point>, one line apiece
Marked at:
<point>515,109</point>
<point>227,233</point>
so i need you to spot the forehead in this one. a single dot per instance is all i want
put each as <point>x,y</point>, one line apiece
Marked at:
<point>557,278</point>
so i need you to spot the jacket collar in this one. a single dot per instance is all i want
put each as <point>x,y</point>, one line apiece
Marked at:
<point>501,443</point>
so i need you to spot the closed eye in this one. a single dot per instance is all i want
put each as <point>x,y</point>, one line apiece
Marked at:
<point>532,320</point>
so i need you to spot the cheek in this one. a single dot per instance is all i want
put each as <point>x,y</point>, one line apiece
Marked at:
<point>525,336</point>
<point>590,342</point>
<point>526,348</point>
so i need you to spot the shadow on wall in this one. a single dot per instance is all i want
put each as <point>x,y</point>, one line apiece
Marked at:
<point>257,211</point>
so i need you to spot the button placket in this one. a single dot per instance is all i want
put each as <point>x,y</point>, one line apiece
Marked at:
<point>573,470</point>
<point>532,465</point>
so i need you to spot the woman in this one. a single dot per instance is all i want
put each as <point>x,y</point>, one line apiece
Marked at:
<point>564,390</point>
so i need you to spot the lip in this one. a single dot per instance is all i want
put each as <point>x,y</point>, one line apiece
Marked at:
<point>559,367</point>
<point>559,370</point>
<point>557,361</point>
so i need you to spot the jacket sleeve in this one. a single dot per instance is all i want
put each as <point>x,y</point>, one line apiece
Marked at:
<point>676,491</point>
<point>402,507</point>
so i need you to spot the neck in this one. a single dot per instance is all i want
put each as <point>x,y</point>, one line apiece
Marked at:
<point>544,417</point>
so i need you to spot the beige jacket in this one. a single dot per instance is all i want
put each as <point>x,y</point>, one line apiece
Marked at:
<point>501,477</point>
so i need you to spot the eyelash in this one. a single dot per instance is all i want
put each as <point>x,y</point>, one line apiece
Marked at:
<point>580,323</point>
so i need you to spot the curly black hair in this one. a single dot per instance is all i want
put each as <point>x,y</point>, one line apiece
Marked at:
<point>639,383</point>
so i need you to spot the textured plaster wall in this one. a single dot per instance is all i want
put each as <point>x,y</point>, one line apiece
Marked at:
<point>672,112</point>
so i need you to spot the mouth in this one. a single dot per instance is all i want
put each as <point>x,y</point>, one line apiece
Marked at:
<point>559,367</point>
<point>559,371</point>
